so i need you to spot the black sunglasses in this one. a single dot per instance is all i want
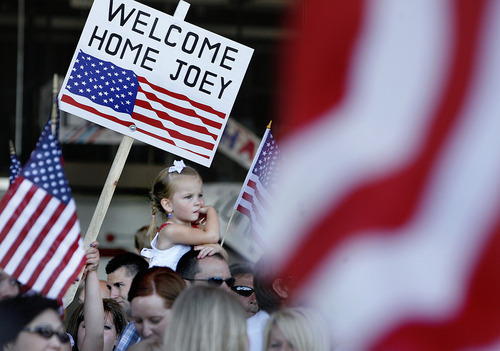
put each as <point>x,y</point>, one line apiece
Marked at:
<point>47,333</point>
<point>243,290</point>
<point>215,281</point>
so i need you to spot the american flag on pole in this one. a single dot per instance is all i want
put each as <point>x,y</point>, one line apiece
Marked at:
<point>125,99</point>
<point>256,194</point>
<point>392,159</point>
<point>40,242</point>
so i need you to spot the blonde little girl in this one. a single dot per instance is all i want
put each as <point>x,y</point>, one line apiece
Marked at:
<point>177,196</point>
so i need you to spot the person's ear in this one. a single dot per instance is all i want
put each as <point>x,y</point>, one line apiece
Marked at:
<point>280,288</point>
<point>166,205</point>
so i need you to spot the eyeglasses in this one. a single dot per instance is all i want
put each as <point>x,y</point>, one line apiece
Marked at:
<point>47,332</point>
<point>242,290</point>
<point>216,281</point>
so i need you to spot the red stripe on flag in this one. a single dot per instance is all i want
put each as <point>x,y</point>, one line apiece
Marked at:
<point>18,213</point>
<point>53,248</point>
<point>481,309</point>
<point>170,142</point>
<point>244,210</point>
<point>62,260</point>
<point>362,209</point>
<point>69,100</point>
<point>181,110</point>
<point>173,133</point>
<point>206,108</point>
<point>40,235</point>
<point>77,271</point>
<point>306,94</point>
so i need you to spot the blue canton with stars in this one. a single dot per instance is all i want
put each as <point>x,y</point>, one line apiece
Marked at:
<point>15,168</point>
<point>266,167</point>
<point>104,83</point>
<point>44,167</point>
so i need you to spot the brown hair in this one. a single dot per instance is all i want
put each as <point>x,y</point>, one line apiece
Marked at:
<point>161,281</point>
<point>111,307</point>
<point>163,188</point>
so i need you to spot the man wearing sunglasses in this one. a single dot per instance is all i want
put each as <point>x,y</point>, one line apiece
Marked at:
<point>211,270</point>
<point>242,272</point>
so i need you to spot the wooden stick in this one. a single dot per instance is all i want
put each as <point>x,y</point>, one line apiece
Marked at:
<point>111,181</point>
<point>12,148</point>
<point>55,86</point>
<point>227,227</point>
<point>102,205</point>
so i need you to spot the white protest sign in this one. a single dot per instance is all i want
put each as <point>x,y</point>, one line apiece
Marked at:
<point>155,78</point>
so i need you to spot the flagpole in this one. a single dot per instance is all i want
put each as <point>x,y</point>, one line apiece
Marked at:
<point>268,128</point>
<point>12,148</point>
<point>103,205</point>
<point>55,86</point>
<point>227,227</point>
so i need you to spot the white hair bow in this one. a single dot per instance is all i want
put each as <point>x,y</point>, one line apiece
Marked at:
<point>177,167</point>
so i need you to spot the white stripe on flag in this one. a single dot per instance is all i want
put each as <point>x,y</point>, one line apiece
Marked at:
<point>381,122</point>
<point>40,222</point>
<point>47,242</point>
<point>420,271</point>
<point>178,102</point>
<point>27,212</point>
<point>53,264</point>
<point>156,133</point>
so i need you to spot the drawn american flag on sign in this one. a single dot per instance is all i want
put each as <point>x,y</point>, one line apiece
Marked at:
<point>393,150</point>
<point>119,95</point>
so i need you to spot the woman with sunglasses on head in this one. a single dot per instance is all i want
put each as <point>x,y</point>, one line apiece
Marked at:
<point>96,324</point>
<point>31,323</point>
<point>151,297</point>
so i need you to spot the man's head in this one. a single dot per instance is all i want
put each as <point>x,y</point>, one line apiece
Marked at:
<point>271,291</point>
<point>243,286</point>
<point>212,270</point>
<point>121,271</point>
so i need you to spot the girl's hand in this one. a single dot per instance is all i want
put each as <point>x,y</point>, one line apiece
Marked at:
<point>92,257</point>
<point>207,249</point>
<point>203,216</point>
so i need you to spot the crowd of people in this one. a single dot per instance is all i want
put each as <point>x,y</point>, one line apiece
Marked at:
<point>180,295</point>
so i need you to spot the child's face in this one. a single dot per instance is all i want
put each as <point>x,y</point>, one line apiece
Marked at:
<point>187,200</point>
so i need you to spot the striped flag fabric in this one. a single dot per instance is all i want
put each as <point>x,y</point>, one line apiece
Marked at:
<point>40,242</point>
<point>256,194</point>
<point>125,99</point>
<point>388,201</point>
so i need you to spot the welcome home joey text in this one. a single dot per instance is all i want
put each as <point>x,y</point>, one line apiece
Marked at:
<point>143,23</point>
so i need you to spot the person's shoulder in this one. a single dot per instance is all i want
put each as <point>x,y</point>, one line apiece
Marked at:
<point>257,319</point>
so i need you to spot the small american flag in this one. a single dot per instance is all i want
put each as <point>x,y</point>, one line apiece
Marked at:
<point>122,97</point>
<point>255,195</point>
<point>40,242</point>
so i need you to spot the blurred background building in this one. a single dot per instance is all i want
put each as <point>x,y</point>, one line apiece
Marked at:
<point>38,40</point>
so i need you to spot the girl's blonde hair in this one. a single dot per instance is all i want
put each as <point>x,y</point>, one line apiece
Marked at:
<point>163,188</point>
<point>304,328</point>
<point>207,318</point>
